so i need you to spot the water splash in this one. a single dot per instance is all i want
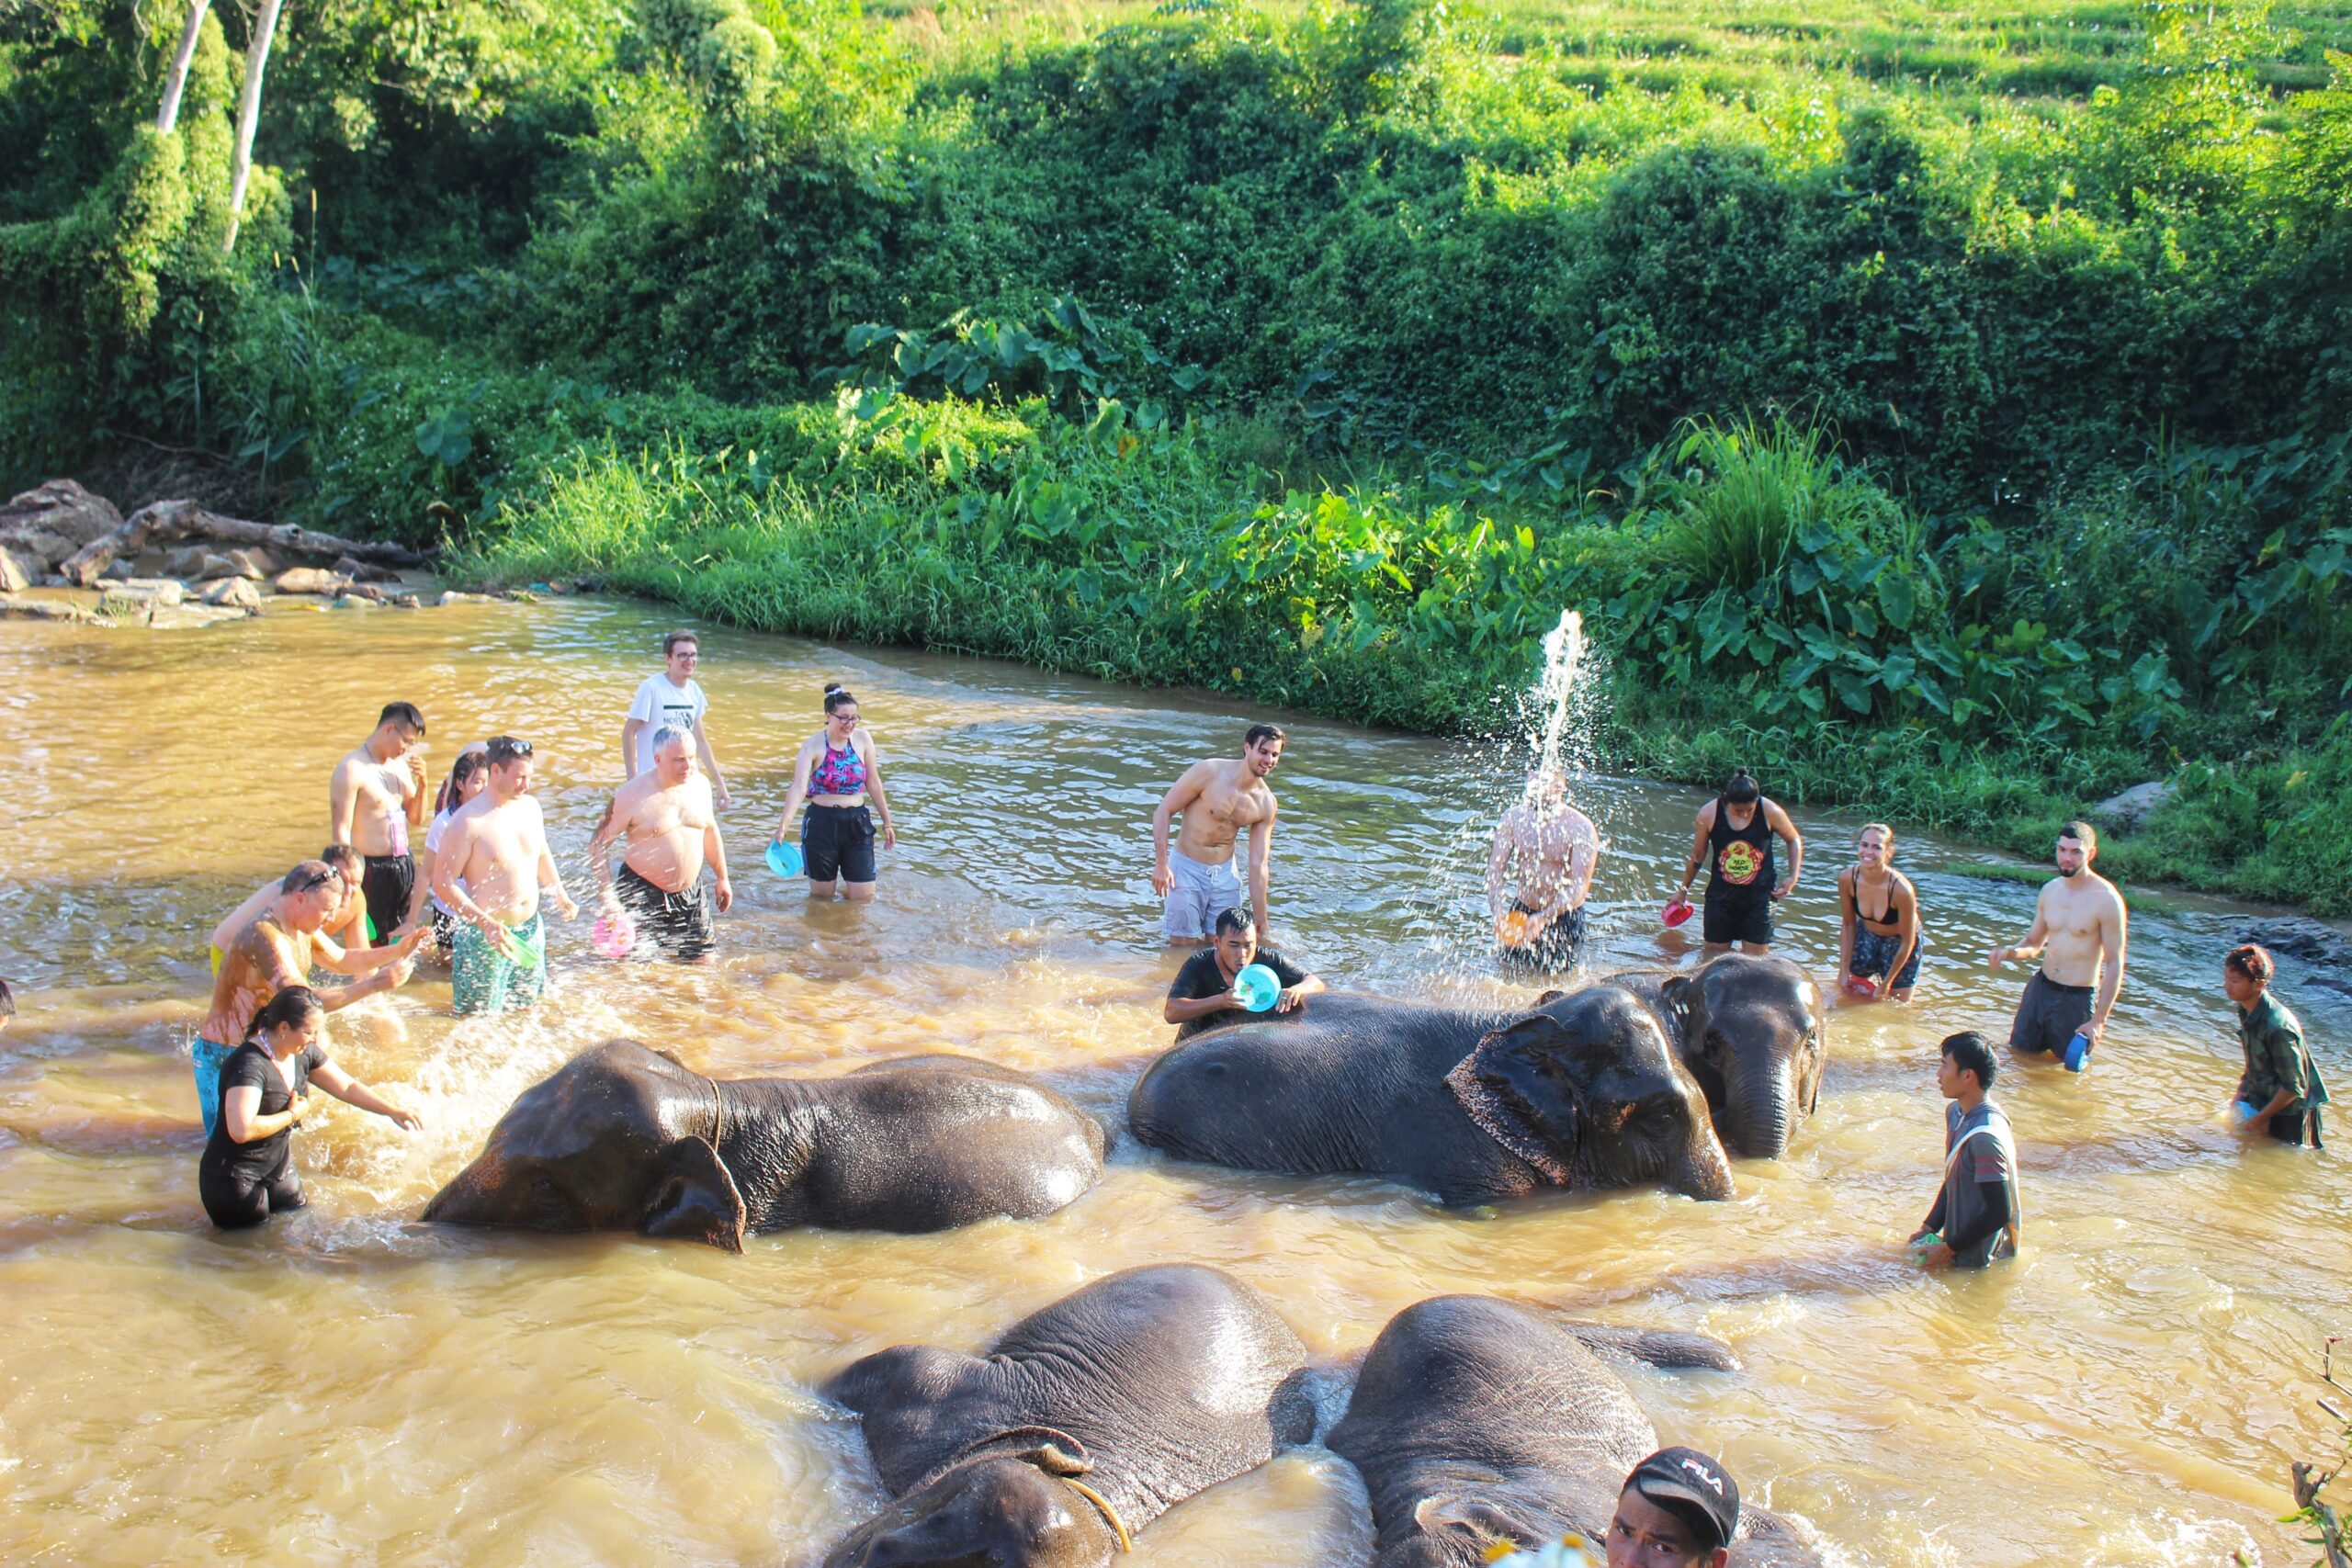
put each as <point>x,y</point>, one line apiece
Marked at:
<point>1549,711</point>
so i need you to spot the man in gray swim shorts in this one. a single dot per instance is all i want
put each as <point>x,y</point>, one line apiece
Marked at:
<point>1219,799</point>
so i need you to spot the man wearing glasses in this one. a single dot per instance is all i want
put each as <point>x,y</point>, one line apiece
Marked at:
<point>270,954</point>
<point>491,869</point>
<point>673,700</point>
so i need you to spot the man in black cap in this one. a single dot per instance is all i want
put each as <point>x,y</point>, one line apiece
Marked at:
<point>1679,1509</point>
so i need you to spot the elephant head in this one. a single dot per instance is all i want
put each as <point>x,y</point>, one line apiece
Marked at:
<point>1753,1033</point>
<point>1021,1508</point>
<point>616,1139</point>
<point>1588,1091</point>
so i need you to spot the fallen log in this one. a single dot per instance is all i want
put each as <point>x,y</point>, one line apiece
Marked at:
<point>168,520</point>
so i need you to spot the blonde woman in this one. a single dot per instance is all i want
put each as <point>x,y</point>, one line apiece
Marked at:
<point>1879,941</point>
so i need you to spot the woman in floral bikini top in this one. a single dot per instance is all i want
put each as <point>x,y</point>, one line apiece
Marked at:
<point>837,770</point>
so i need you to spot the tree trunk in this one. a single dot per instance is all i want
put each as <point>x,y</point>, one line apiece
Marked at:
<point>167,520</point>
<point>248,113</point>
<point>168,116</point>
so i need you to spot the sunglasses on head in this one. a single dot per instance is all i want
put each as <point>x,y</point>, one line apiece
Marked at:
<point>505,750</point>
<point>318,879</point>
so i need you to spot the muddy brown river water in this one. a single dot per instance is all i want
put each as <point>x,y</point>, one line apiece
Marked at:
<point>353,1386</point>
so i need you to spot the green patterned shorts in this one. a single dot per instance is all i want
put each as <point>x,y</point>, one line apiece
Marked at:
<point>482,979</point>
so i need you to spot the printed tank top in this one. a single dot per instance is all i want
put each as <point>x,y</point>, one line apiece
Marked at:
<point>838,773</point>
<point>1743,856</point>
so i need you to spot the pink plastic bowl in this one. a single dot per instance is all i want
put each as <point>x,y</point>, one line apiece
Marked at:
<point>614,936</point>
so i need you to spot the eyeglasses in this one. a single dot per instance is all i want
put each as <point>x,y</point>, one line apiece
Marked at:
<point>847,720</point>
<point>505,749</point>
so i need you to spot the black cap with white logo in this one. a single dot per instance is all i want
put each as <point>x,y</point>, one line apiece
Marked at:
<point>1694,1488</point>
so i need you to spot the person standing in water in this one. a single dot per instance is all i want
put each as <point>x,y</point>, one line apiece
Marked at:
<point>272,955</point>
<point>2279,1094</point>
<point>376,796</point>
<point>7,1005</point>
<point>1883,948</point>
<point>1201,995</point>
<point>672,829</point>
<point>2078,934</point>
<point>673,698</point>
<point>344,933</point>
<point>1540,869</point>
<point>1977,1212</point>
<point>493,866</point>
<point>1734,842</point>
<point>1219,799</point>
<point>247,1173</point>
<point>469,776</point>
<point>838,767</point>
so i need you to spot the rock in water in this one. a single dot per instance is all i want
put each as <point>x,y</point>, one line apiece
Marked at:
<point>14,577</point>
<point>312,580</point>
<point>64,509</point>
<point>361,571</point>
<point>254,563</point>
<point>233,592</point>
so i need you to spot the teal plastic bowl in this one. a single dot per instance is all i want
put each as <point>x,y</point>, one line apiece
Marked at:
<point>1257,988</point>
<point>783,858</point>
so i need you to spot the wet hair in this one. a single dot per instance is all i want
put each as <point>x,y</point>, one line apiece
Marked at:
<point>402,714</point>
<point>1741,788</point>
<point>1970,1053</point>
<point>505,749</point>
<point>669,732</point>
<point>469,762</point>
<point>1237,919</point>
<point>2082,832</point>
<point>344,858</point>
<point>838,696</point>
<point>8,1000</point>
<point>670,643</point>
<point>309,874</point>
<point>1263,732</point>
<point>2251,961</point>
<point>291,1007</point>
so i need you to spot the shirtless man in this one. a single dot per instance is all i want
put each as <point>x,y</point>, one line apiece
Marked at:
<point>2078,934</point>
<point>378,794</point>
<point>673,826</point>
<point>1540,870</point>
<point>492,866</point>
<point>1219,799</point>
<point>272,953</point>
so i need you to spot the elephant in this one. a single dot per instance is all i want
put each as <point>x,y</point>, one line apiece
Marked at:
<point>1754,1034</point>
<point>622,1137</point>
<point>1475,1420</point>
<point>1089,1420</point>
<point>1585,1091</point>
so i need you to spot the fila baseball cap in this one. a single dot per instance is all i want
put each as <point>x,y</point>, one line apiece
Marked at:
<point>1695,1488</point>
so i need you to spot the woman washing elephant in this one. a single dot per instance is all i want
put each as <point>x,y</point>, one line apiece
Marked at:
<point>247,1173</point>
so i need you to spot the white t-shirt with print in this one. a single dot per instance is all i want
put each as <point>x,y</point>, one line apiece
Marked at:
<point>659,703</point>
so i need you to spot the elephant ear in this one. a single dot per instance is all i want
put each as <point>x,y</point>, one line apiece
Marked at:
<point>692,1198</point>
<point>1517,1090</point>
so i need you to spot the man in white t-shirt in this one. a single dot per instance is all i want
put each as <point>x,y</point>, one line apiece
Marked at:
<point>673,698</point>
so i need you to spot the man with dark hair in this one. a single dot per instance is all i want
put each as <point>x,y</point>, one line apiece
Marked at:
<point>1977,1212</point>
<point>673,699</point>
<point>1538,872</point>
<point>1219,799</point>
<point>2279,1094</point>
<point>2078,933</point>
<point>1202,995</point>
<point>378,794</point>
<point>1734,842</point>
<point>492,867</point>
<point>1679,1508</point>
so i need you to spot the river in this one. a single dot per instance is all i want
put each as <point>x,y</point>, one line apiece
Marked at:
<point>353,1386</point>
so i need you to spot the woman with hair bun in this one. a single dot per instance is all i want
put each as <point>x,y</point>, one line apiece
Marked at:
<point>838,767</point>
<point>247,1173</point>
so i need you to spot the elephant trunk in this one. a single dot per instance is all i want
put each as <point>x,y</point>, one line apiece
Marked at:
<point>1705,1173</point>
<point>1763,1110</point>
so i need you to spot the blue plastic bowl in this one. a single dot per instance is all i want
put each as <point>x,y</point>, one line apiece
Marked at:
<point>783,858</point>
<point>1258,988</point>
<point>2078,1050</point>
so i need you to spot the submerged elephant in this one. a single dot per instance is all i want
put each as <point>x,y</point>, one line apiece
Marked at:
<point>1088,1420</point>
<point>1474,1421</point>
<point>624,1138</point>
<point>1753,1033</point>
<point>1584,1092</point>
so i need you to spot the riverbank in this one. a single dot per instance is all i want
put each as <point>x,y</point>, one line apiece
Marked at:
<point>1761,602</point>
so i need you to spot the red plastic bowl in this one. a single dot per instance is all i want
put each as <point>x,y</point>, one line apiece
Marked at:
<point>1860,986</point>
<point>1678,912</point>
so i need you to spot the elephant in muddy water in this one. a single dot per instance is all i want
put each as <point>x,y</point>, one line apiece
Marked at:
<point>1583,1091</point>
<point>1475,1420</point>
<point>624,1138</point>
<point>1754,1034</point>
<point>1085,1422</point>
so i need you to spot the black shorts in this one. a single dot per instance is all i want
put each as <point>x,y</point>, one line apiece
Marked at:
<point>2048,1015</point>
<point>1745,917</point>
<point>838,843</point>
<point>679,924</point>
<point>235,1200</point>
<point>387,881</point>
<point>2290,1126</point>
<point>1552,951</point>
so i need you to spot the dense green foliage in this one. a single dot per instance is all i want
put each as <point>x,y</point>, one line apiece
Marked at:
<point>1944,409</point>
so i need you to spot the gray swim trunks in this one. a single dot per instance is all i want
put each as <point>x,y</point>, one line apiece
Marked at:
<point>1202,893</point>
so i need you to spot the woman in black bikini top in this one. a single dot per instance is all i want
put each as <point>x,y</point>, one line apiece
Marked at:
<point>1880,952</point>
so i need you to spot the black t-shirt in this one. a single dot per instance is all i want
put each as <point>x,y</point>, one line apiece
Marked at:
<point>249,1066</point>
<point>1201,977</point>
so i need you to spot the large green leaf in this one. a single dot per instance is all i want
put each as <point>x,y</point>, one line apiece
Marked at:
<point>1894,597</point>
